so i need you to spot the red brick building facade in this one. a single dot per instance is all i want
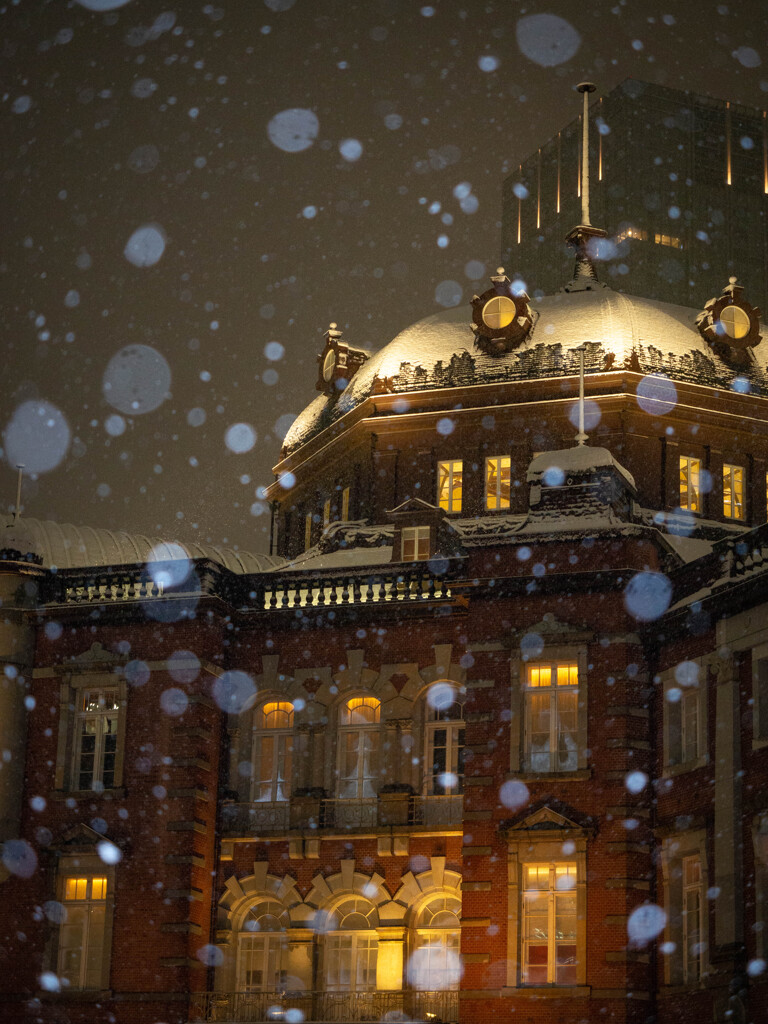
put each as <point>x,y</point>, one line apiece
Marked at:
<point>486,738</point>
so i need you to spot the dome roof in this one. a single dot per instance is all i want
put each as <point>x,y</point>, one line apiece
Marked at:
<point>73,547</point>
<point>620,331</point>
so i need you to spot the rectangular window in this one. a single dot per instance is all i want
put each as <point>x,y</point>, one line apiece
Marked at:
<point>345,505</point>
<point>326,512</point>
<point>733,492</point>
<point>81,935</point>
<point>446,759</point>
<point>690,472</point>
<point>551,717</point>
<point>692,908</point>
<point>760,697</point>
<point>415,544</point>
<point>684,724</point>
<point>549,924</point>
<point>497,482</point>
<point>351,962</point>
<point>308,531</point>
<point>259,963</point>
<point>639,233</point>
<point>670,240</point>
<point>95,746</point>
<point>449,485</point>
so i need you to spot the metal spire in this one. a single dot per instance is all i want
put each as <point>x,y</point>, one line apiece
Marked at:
<point>585,88</point>
<point>581,437</point>
<point>17,511</point>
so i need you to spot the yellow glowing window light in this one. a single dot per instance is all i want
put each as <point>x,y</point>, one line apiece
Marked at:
<point>345,505</point>
<point>277,714</point>
<point>690,472</point>
<point>77,888</point>
<point>561,674</point>
<point>733,492</point>
<point>497,482</point>
<point>450,476</point>
<point>361,711</point>
<point>735,322</point>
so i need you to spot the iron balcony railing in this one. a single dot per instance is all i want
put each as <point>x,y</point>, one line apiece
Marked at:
<point>328,1007</point>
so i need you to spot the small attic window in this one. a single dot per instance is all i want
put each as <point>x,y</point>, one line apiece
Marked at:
<point>414,545</point>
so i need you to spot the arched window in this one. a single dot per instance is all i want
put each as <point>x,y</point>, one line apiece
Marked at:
<point>273,753</point>
<point>435,963</point>
<point>358,748</point>
<point>351,947</point>
<point>261,948</point>
<point>444,775</point>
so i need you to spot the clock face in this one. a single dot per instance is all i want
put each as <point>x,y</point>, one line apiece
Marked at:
<point>328,364</point>
<point>499,312</point>
<point>734,322</point>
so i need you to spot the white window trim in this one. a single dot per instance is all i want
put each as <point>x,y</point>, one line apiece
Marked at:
<point>453,727</point>
<point>674,849</point>
<point>734,468</point>
<point>70,695</point>
<point>497,496</point>
<point>260,733</point>
<point>346,730</point>
<point>668,682</point>
<point>523,850</point>
<point>697,490</point>
<point>86,865</point>
<point>416,534</point>
<point>569,652</point>
<point>451,463</point>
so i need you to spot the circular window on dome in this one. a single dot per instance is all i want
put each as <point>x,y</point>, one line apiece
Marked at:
<point>499,312</point>
<point>734,322</point>
<point>328,364</point>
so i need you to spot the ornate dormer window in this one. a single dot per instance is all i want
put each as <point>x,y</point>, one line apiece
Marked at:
<point>730,324</point>
<point>338,362</point>
<point>502,319</point>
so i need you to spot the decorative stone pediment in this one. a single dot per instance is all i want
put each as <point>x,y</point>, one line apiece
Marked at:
<point>97,656</point>
<point>550,628</point>
<point>544,818</point>
<point>546,823</point>
<point>79,837</point>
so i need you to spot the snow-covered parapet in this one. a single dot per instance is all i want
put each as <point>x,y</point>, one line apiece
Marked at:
<point>555,467</point>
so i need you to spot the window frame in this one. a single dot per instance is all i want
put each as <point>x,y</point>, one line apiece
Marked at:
<point>102,717</point>
<point>496,502</point>
<point>417,535</point>
<point>89,866</point>
<point>274,941</point>
<point>441,940</point>
<point>363,731</point>
<point>71,690</point>
<point>282,753</point>
<point>450,504</point>
<point>455,729</point>
<point>675,850</point>
<point>692,465</point>
<point>759,696</point>
<point>676,741</point>
<point>335,938</point>
<point>552,693</point>
<point>733,479</point>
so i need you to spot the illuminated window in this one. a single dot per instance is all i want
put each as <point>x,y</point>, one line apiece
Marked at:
<point>670,240</point>
<point>435,965</point>
<point>345,505</point>
<point>690,473</point>
<point>351,948</point>
<point>359,748</point>
<point>733,492</point>
<point>551,717</point>
<point>307,531</point>
<point>95,746</point>
<point>262,948</point>
<point>549,924</point>
<point>638,233</point>
<point>445,742</point>
<point>415,544</point>
<point>273,753</point>
<point>497,482</point>
<point>449,485</point>
<point>692,907</point>
<point>81,952</point>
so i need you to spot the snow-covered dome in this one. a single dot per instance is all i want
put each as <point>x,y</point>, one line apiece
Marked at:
<point>620,331</point>
<point>71,547</point>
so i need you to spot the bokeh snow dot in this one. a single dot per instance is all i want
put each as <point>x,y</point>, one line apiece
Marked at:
<point>37,437</point>
<point>145,246</point>
<point>108,852</point>
<point>591,414</point>
<point>351,149</point>
<point>21,104</point>
<point>168,564</point>
<point>756,967</point>
<point>546,39</point>
<point>240,438</point>
<point>273,350</point>
<point>293,130</point>
<point>656,394</point>
<point>19,858</point>
<point>283,424</point>
<point>487,62</point>
<point>441,696</point>
<point>647,595</point>
<point>553,476</point>
<point>174,701</point>
<point>514,794</point>
<point>747,57</point>
<point>448,293</point>
<point>196,417</point>
<point>137,673</point>
<point>645,923</point>
<point>183,666</point>
<point>234,692</point>
<point>137,380</point>
<point>445,426</point>
<point>49,982</point>
<point>636,782</point>
<point>211,956</point>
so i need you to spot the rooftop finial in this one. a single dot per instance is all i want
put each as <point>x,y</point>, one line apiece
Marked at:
<point>17,511</point>
<point>585,88</point>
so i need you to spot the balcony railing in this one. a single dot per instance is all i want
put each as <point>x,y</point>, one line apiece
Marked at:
<point>328,1007</point>
<point>346,813</point>
<point>297,592</point>
<point>251,817</point>
<point>438,810</point>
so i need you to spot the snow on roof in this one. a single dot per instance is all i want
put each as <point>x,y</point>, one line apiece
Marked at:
<point>74,547</point>
<point>439,352</point>
<point>579,459</point>
<point>344,558</point>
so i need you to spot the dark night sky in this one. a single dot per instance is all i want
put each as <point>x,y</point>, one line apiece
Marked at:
<point>157,113</point>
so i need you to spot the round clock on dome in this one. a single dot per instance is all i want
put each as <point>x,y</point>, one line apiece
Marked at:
<point>729,323</point>
<point>501,318</point>
<point>328,364</point>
